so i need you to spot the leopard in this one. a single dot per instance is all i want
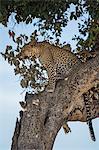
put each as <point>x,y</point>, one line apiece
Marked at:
<point>57,61</point>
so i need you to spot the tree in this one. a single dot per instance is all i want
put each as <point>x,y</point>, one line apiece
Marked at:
<point>48,111</point>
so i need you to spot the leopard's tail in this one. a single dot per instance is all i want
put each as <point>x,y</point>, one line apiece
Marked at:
<point>91,130</point>
<point>89,120</point>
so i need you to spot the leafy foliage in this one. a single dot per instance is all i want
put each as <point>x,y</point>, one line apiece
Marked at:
<point>90,27</point>
<point>52,16</point>
<point>30,70</point>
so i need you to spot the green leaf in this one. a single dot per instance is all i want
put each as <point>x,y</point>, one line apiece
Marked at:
<point>17,70</point>
<point>24,83</point>
<point>16,62</point>
<point>11,54</point>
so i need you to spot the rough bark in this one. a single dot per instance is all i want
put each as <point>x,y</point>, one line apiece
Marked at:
<point>45,113</point>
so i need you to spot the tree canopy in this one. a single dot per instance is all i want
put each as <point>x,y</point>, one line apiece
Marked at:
<point>49,18</point>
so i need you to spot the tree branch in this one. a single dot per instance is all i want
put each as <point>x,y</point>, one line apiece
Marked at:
<point>45,113</point>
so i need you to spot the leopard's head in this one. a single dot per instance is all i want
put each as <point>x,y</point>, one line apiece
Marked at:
<point>30,50</point>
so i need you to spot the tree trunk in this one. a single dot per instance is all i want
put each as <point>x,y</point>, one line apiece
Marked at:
<point>45,113</point>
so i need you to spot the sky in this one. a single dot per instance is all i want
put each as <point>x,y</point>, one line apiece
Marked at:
<point>11,93</point>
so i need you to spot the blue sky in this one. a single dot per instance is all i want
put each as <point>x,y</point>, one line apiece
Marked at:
<point>11,94</point>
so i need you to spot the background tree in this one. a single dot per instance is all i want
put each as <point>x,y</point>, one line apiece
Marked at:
<point>49,17</point>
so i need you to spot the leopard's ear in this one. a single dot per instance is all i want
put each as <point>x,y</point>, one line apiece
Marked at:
<point>33,42</point>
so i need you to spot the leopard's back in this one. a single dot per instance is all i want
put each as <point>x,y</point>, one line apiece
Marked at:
<point>64,60</point>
